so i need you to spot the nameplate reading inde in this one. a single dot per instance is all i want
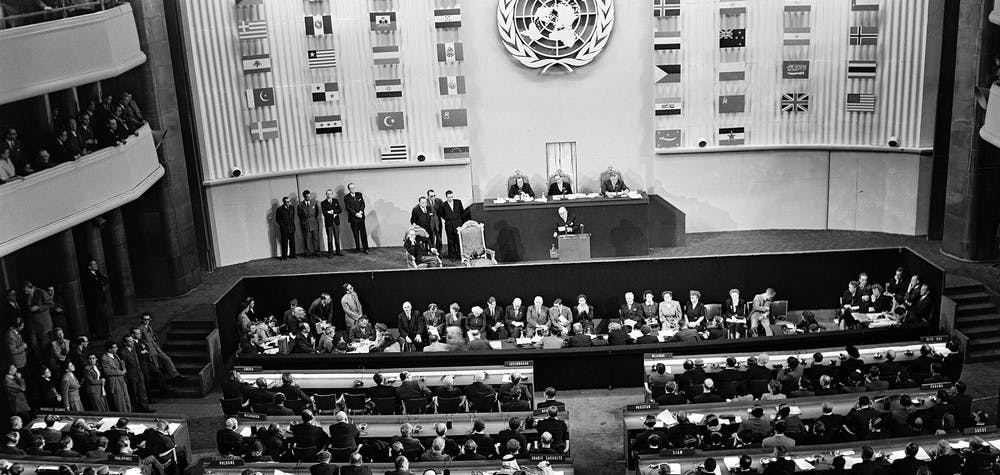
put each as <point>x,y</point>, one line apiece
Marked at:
<point>225,462</point>
<point>251,415</point>
<point>517,363</point>
<point>979,429</point>
<point>248,369</point>
<point>657,356</point>
<point>123,458</point>
<point>941,385</point>
<point>641,407</point>
<point>676,452</point>
<point>548,457</point>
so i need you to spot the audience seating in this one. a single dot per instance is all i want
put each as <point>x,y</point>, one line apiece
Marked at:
<point>138,423</point>
<point>340,379</point>
<point>454,467</point>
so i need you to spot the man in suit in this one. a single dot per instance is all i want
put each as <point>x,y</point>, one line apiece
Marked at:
<point>520,188</point>
<point>617,336</point>
<point>410,388</point>
<point>613,184</point>
<point>38,318</point>
<point>343,434</point>
<point>630,309</point>
<point>228,440</point>
<point>565,224</point>
<point>515,313</point>
<point>897,284</point>
<point>779,438</point>
<point>111,135</point>
<point>422,215</point>
<point>402,465</point>
<point>309,433</point>
<point>411,327</point>
<point>908,465</point>
<point>537,316</point>
<point>11,309</point>
<point>285,217</point>
<point>324,467</point>
<point>452,212</point>
<point>781,465</point>
<point>559,186</point>
<point>278,407</point>
<point>95,299</point>
<point>647,336</point>
<point>134,377</point>
<point>496,328</point>
<point>355,204</point>
<point>477,343</point>
<point>579,339</point>
<point>321,310</point>
<point>923,309</point>
<point>331,221</point>
<point>707,393</point>
<point>760,313</point>
<point>434,203</point>
<point>303,341</point>
<point>62,149</point>
<point>478,388</point>
<point>356,467</point>
<point>868,465</point>
<point>157,439</point>
<point>351,304</point>
<point>555,426</point>
<point>309,220</point>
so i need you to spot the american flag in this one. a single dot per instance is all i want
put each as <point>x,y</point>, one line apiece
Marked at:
<point>861,103</point>
<point>394,152</point>
<point>794,102</point>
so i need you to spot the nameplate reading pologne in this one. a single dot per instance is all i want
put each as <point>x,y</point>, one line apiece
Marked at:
<point>251,415</point>
<point>517,363</point>
<point>979,429</point>
<point>676,452</point>
<point>248,369</point>
<point>657,356</point>
<point>941,385</point>
<point>934,339</point>
<point>641,407</point>
<point>548,457</point>
<point>123,458</point>
<point>225,462</point>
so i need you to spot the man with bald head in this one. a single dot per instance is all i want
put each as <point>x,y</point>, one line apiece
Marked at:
<point>515,318</point>
<point>343,434</point>
<point>228,440</point>
<point>565,224</point>
<point>411,326</point>
<point>579,339</point>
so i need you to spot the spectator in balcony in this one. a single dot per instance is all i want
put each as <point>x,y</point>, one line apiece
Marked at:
<point>118,113</point>
<point>39,320</point>
<point>74,142</point>
<point>14,145</point>
<point>130,111</point>
<point>8,171</point>
<point>111,135</point>
<point>57,309</point>
<point>114,374</point>
<point>43,160</point>
<point>63,150</point>
<point>104,109</point>
<point>88,137</point>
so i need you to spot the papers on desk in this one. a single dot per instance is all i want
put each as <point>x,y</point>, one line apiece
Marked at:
<point>666,335</point>
<point>172,427</point>
<point>563,321</point>
<point>629,322</point>
<point>57,426</point>
<point>803,465</point>
<point>522,341</point>
<point>279,472</point>
<point>696,417</point>
<point>635,334</point>
<point>137,428</point>
<point>107,423</point>
<point>794,410</point>
<point>731,462</point>
<point>245,431</point>
<point>995,444</point>
<point>850,461</point>
<point>731,419</point>
<point>517,324</point>
<point>496,345</point>
<point>666,417</point>
<point>960,445</point>
<point>132,471</point>
<point>921,455</point>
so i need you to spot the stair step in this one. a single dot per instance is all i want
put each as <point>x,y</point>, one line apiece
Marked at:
<point>177,346</point>
<point>187,393</point>
<point>985,331</point>
<point>971,298</point>
<point>958,289</point>
<point>976,309</point>
<point>973,319</point>
<point>193,324</point>
<point>985,342</point>
<point>986,354</point>
<point>190,333</point>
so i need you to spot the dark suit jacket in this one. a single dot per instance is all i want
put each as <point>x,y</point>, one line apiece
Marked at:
<point>355,470</point>
<point>309,215</point>
<point>520,316</point>
<point>344,435</point>
<point>410,327</point>
<point>308,435</point>
<point>607,187</point>
<point>921,311</point>
<point>579,341</point>
<point>425,219</point>
<point>93,286</point>
<point>330,205</point>
<point>301,344</point>
<point>411,390</point>
<point>739,309</point>
<point>780,466</point>
<point>285,217</point>
<point>453,214</point>
<point>157,442</point>
<point>905,466</point>
<point>569,226</point>
<point>323,469</point>
<point>867,467</point>
<point>229,442</point>
<point>646,339</point>
<point>556,189</point>
<point>617,337</point>
<point>354,203</point>
<point>514,190</point>
<point>479,390</point>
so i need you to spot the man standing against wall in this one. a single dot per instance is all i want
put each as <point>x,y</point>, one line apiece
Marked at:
<point>309,220</point>
<point>331,221</point>
<point>285,217</point>
<point>452,211</point>
<point>94,283</point>
<point>355,204</point>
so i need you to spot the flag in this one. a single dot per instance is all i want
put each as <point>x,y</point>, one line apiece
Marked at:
<point>733,71</point>
<point>319,25</point>
<point>667,73</point>
<point>732,37</point>
<point>797,35</point>
<point>795,7</point>
<point>252,30</point>
<point>663,8</point>
<point>461,151</point>
<point>668,106</point>
<point>386,54</point>
<point>730,104</point>
<point>390,121</point>
<point>795,69</point>
<point>666,40</point>
<point>322,58</point>
<point>863,35</point>
<point>794,102</point>
<point>256,63</point>
<point>249,3</point>
<point>264,130</point>
<point>732,136</point>
<point>394,152</point>
<point>864,5</point>
<point>261,97</point>
<point>450,52</point>
<point>448,18</point>
<point>734,7</point>
<point>668,138</point>
<point>385,88</point>
<point>451,85</point>
<point>382,21</point>
<point>328,124</point>
<point>861,103</point>
<point>861,69</point>
<point>325,91</point>
<point>454,118</point>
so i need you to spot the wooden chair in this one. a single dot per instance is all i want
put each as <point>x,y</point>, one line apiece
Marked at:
<point>297,405</point>
<point>325,403</point>
<point>513,179</point>
<point>779,308</point>
<point>169,461</point>
<point>484,404</point>
<point>231,406</point>
<point>448,405</point>
<point>354,403</point>
<point>472,246</point>
<point>558,176</point>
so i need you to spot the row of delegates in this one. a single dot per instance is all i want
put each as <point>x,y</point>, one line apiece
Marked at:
<point>911,305</point>
<point>310,213</point>
<point>739,318</point>
<point>559,186</point>
<point>429,213</point>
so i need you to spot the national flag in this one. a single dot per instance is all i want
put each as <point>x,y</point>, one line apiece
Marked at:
<point>450,52</point>
<point>448,18</point>
<point>264,130</point>
<point>256,63</point>
<point>668,106</point>
<point>325,91</point>
<point>730,104</point>
<point>794,102</point>
<point>454,118</point>
<point>328,124</point>
<point>797,6</point>
<point>795,70</point>
<point>382,21</point>
<point>262,97</point>
<point>249,3</point>
<point>451,85</point>
<point>863,36</point>
<point>864,5</point>
<point>319,25</point>
<point>670,138</point>
<point>385,88</point>
<point>461,151</point>
<point>861,103</point>
<point>252,30</point>
<point>322,58</point>
<point>733,7</point>
<point>797,35</point>
<point>386,54</point>
<point>666,40</point>
<point>394,152</point>
<point>667,73</point>
<point>390,121</point>
<point>733,71</point>
<point>861,69</point>
<point>662,8</point>
<point>732,38</point>
<point>732,136</point>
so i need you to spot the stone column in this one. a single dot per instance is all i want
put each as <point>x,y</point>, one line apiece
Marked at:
<point>91,246</point>
<point>119,265</point>
<point>68,281</point>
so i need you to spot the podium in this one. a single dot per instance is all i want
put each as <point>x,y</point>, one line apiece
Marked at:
<point>574,247</point>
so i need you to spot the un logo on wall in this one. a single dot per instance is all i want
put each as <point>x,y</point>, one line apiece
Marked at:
<point>546,33</point>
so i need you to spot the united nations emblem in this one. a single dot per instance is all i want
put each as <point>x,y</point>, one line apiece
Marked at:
<point>546,33</point>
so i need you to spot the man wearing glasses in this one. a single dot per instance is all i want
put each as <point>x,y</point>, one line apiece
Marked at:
<point>161,360</point>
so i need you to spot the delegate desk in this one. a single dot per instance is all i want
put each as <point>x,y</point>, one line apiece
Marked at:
<point>32,464</point>
<point>454,468</point>
<point>519,230</point>
<point>807,408</point>
<point>810,458</point>
<point>177,426</point>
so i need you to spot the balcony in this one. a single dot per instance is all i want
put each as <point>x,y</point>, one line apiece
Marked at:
<point>60,54</point>
<point>53,200</point>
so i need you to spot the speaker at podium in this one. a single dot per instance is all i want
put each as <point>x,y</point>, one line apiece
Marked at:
<point>574,247</point>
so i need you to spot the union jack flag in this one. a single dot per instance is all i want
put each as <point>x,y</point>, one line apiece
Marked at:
<point>795,102</point>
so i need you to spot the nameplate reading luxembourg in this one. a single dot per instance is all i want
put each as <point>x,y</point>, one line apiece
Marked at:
<point>219,462</point>
<point>517,363</point>
<point>548,457</point>
<point>641,407</point>
<point>123,458</point>
<point>248,369</point>
<point>251,415</point>
<point>979,429</point>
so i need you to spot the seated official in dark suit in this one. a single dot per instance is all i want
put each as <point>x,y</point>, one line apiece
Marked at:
<point>421,251</point>
<point>560,187</point>
<point>520,188</point>
<point>579,339</point>
<point>867,466</point>
<point>565,224</point>
<point>324,467</point>
<point>309,433</point>
<point>613,184</point>
<point>228,441</point>
<point>908,465</point>
<point>343,434</point>
<point>923,309</point>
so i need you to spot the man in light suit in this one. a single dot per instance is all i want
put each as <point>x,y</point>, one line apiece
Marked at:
<point>355,204</point>
<point>285,217</point>
<point>537,316</point>
<point>309,220</point>
<point>452,211</point>
<point>331,221</point>
<point>351,305</point>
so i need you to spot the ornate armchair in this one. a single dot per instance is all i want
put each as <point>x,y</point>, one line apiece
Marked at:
<point>472,245</point>
<point>410,262</point>
<point>513,178</point>
<point>606,177</point>
<point>558,176</point>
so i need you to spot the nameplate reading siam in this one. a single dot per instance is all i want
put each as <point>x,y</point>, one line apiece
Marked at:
<point>934,339</point>
<point>676,452</point>
<point>941,385</point>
